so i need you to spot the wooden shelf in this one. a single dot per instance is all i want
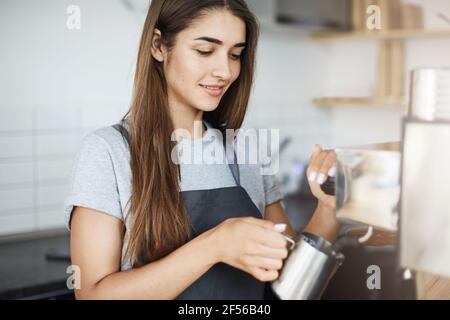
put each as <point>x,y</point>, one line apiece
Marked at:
<point>382,35</point>
<point>395,103</point>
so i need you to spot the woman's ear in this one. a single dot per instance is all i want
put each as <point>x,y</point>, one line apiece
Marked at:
<point>157,47</point>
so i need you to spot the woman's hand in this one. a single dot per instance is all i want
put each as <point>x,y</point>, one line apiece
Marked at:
<point>320,167</point>
<point>323,222</point>
<point>253,245</point>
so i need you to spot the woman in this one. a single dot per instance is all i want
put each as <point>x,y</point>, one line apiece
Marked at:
<point>144,227</point>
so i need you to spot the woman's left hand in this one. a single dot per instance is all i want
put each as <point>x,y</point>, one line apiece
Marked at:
<point>321,166</point>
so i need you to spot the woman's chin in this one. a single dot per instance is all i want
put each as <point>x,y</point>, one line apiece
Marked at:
<point>207,108</point>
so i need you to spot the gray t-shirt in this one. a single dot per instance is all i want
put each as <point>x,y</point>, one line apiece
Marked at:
<point>101,176</point>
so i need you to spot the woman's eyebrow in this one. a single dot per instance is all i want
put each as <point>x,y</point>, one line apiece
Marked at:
<point>217,41</point>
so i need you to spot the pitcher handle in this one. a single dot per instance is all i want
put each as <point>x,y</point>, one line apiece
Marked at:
<point>292,241</point>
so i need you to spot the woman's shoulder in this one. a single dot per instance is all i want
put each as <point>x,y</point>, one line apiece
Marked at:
<point>104,138</point>
<point>95,171</point>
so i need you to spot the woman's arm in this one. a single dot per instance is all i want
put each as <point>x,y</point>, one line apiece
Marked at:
<point>96,246</point>
<point>252,245</point>
<point>323,222</point>
<point>274,212</point>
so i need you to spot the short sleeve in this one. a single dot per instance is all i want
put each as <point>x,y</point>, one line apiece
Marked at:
<point>269,165</point>
<point>272,190</point>
<point>93,183</point>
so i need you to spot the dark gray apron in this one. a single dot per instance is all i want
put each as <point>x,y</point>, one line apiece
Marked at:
<point>207,209</point>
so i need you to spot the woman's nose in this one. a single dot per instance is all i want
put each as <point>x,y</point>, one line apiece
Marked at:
<point>223,69</point>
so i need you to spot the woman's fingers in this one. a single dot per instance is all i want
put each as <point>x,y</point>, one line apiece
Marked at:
<point>327,165</point>
<point>316,151</point>
<point>267,224</point>
<point>266,263</point>
<point>270,238</point>
<point>312,170</point>
<point>270,252</point>
<point>315,166</point>
<point>321,166</point>
<point>263,274</point>
<point>265,232</point>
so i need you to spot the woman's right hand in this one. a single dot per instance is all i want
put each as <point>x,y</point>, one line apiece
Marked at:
<point>253,245</point>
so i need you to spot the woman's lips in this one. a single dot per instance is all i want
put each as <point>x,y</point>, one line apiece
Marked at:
<point>214,91</point>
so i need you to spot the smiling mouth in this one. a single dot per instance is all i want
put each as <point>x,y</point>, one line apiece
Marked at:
<point>212,87</point>
<point>213,91</point>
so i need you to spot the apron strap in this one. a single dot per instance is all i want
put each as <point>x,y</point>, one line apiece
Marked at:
<point>123,132</point>
<point>234,167</point>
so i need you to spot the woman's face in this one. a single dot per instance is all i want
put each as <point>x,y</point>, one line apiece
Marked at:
<point>205,61</point>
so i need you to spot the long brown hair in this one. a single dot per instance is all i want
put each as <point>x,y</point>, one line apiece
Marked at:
<point>159,221</point>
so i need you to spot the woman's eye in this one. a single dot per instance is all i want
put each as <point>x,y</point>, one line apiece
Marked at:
<point>236,56</point>
<point>207,53</point>
<point>203,53</point>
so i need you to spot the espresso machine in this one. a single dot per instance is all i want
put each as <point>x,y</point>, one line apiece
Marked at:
<point>397,188</point>
<point>424,203</point>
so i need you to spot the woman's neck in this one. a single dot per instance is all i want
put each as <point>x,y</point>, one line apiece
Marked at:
<point>189,121</point>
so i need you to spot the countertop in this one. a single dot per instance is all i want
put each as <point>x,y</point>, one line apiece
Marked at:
<point>26,273</point>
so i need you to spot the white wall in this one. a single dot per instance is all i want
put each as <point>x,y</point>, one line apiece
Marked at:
<point>57,84</point>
